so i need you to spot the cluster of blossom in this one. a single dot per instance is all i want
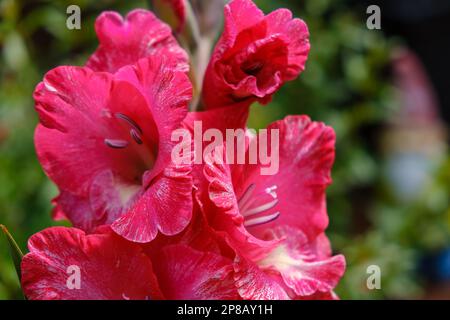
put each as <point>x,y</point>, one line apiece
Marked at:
<point>145,227</point>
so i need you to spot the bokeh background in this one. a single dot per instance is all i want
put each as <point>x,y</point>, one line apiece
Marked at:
<point>385,92</point>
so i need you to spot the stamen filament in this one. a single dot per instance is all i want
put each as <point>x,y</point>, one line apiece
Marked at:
<point>260,209</point>
<point>128,120</point>
<point>246,196</point>
<point>261,220</point>
<point>255,207</point>
<point>136,136</point>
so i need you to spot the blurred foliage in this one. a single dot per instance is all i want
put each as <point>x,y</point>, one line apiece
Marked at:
<point>346,85</point>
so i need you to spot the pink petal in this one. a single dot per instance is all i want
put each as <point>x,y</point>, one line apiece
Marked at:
<point>110,267</point>
<point>185,273</point>
<point>301,268</point>
<point>125,41</point>
<point>76,209</point>
<point>296,30</point>
<point>255,284</point>
<point>166,207</point>
<point>240,15</point>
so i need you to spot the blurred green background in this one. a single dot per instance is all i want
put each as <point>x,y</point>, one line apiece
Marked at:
<point>348,85</point>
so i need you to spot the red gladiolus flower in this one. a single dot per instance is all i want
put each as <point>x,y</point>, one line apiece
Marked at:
<point>255,56</point>
<point>106,142</point>
<point>149,227</point>
<point>276,223</point>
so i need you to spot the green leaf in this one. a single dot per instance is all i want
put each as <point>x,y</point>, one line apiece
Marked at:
<point>14,249</point>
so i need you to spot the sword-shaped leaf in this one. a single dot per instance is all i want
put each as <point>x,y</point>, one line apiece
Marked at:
<point>14,249</point>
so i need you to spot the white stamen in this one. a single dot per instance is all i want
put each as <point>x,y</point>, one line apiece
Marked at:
<point>247,207</point>
<point>260,209</point>
<point>246,196</point>
<point>261,220</point>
